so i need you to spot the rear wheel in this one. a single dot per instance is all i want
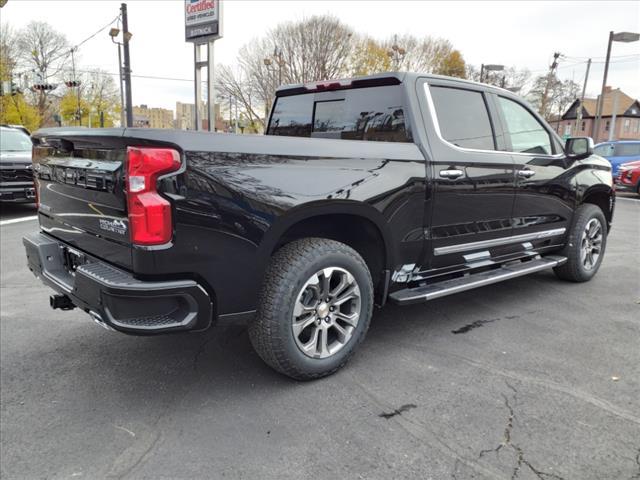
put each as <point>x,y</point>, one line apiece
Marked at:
<point>315,307</point>
<point>585,246</point>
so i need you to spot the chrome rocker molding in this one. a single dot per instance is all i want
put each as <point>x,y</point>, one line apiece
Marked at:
<point>526,237</point>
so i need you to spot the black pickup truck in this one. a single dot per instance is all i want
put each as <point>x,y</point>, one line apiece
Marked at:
<point>391,188</point>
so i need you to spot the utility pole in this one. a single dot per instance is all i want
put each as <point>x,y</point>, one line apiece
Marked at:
<point>581,102</point>
<point>127,63</point>
<point>612,126</point>
<point>73,67</point>
<point>545,94</point>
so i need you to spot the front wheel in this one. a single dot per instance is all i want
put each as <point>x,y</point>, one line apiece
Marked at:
<point>585,245</point>
<point>315,308</point>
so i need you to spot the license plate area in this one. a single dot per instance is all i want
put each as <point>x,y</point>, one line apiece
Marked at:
<point>72,259</point>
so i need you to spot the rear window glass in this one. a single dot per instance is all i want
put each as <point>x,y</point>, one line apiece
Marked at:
<point>463,118</point>
<point>374,114</point>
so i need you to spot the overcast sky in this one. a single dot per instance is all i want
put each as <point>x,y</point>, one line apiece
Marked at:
<point>522,34</point>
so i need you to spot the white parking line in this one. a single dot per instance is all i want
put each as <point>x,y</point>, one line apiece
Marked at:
<point>18,220</point>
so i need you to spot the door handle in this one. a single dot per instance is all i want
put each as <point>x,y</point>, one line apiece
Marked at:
<point>451,173</point>
<point>526,173</point>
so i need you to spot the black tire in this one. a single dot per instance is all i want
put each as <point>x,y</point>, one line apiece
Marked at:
<point>271,332</point>
<point>574,269</point>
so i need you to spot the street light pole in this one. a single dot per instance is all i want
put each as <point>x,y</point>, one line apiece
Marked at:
<point>127,63</point>
<point>626,37</point>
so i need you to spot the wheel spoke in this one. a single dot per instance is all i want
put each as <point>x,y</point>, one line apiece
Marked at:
<point>301,325</point>
<point>344,281</point>
<point>343,336</point>
<point>348,294</point>
<point>348,319</point>
<point>300,309</point>
<point>311,347</point>
<point>324,342</point>
<point>326,279</point>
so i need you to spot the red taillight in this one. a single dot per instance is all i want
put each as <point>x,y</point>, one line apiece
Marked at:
<point>149,213</point>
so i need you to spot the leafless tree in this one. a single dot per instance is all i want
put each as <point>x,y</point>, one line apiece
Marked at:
<point>424,55</point>
<point>42,50</point>
<point>313,49</point>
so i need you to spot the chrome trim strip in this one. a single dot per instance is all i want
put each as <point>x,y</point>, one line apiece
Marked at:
<point>494,242</point>
<point>436,126</point>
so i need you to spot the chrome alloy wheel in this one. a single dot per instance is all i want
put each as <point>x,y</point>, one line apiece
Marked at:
<point>326,312</point>
<point>591,244</point>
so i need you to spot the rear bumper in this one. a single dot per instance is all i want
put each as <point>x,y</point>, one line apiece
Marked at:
<point>114,297</point>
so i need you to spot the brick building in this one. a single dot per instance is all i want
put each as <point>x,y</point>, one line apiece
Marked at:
<point>625,126</point>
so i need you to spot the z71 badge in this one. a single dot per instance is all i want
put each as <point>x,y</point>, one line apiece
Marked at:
<point>115,226</point>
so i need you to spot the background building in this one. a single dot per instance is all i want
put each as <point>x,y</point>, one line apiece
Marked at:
<point>625,126</point>
<point>185,116</point>
<point>146,117</point>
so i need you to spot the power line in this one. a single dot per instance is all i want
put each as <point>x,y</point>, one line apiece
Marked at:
<point>67,53</point>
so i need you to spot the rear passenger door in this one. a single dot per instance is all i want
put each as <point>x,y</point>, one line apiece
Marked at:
<point>473,181</point>
<point>544,200</point>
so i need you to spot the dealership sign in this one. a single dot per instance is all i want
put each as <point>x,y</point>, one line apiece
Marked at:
<point>202,20</point>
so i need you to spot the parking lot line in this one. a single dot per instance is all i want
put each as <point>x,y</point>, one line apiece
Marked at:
<point>18,220</point>
<point>628,199</point>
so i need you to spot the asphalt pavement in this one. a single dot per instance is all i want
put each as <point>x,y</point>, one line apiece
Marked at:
<point>534,378</point>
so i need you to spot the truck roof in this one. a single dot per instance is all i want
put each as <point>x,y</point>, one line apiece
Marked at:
<point>379,79</point>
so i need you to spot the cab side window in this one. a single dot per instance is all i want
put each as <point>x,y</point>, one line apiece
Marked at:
<point>526,133</point>
<point>463,118</point>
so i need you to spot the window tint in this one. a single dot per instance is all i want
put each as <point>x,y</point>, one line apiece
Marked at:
<point>605,150</point>
<point>527,134</point>
<point>627,149</point>
<point>463,118</point>
<point>374,114</point>
<point>292,116</point>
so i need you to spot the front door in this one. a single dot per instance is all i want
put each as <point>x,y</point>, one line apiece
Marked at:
<point>473,180</point>
<point>544,200</point>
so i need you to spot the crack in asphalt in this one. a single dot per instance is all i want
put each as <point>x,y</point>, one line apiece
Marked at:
<point>398,411</point>
<point>507,443</point>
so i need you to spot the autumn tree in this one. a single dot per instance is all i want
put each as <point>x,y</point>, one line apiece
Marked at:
<point>369,57</point>
<point>97,93</point>
<point>14,109</point>
<point>452,65</point>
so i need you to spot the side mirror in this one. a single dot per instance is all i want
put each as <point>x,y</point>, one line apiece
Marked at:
<point>578,148</point>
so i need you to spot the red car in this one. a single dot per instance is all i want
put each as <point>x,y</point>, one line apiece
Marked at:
<point>629,177</point>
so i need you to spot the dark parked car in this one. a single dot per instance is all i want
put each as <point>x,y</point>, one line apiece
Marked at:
<point>16,174</point>
<point>396,187</point>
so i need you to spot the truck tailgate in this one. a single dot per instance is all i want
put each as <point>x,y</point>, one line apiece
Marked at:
<point>80,183</point>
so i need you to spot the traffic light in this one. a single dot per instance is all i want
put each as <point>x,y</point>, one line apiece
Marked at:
<point>44,87</point>
<point>72,83</point>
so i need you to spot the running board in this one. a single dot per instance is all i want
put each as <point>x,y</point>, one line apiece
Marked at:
<point>448,287</point>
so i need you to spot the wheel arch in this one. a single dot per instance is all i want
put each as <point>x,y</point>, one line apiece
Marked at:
<point>603,197</point>
<point>356,224</point>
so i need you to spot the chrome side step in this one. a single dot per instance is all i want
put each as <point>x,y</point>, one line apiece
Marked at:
<point>474,280</point>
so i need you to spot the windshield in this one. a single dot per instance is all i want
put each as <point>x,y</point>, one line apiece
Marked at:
<point>14,141</point>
